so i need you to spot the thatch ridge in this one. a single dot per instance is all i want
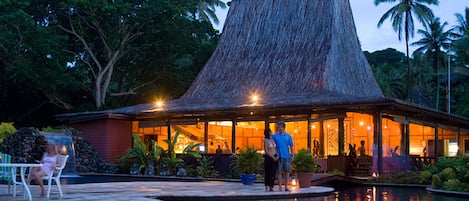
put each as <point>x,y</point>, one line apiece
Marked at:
<point>276,48</point>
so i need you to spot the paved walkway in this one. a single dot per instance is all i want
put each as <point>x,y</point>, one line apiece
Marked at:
<point>151,191</point>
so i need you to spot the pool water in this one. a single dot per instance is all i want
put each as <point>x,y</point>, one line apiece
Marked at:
<point>73,179</point>
<point>341,193</point>
<point>379,193</point>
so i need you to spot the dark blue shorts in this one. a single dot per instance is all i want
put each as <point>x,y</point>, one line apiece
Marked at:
<point>284,165</point>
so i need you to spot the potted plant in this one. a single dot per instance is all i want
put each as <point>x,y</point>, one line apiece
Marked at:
<point>304,165</point>
<point>247,161</point>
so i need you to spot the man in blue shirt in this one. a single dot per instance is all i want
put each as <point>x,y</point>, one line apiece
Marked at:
<point>284,143</point>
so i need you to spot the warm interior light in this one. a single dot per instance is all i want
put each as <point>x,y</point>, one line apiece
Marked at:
<point>361,123</point>
<point>293,182</point>
<point>159,104</point>
<point>255,98</point>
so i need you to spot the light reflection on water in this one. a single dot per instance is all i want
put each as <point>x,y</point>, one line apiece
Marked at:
<point>352,193</point>
<point>378,193</point>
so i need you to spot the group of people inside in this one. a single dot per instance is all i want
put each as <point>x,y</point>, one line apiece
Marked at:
<point>278,149</point>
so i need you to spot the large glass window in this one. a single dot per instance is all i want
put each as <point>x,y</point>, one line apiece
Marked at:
<point>250,133</point>
<point>299,132</point>
<point>449,137</point>
<point>189,133</point>
<point>422,140</point>
<point>148,132</point>
<point>219,136</point>
<point>392,138</point>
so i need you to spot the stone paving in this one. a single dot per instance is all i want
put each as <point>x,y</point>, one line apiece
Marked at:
<point>151,191</point>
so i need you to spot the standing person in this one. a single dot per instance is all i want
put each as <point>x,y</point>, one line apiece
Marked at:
<point>270,160</point>
<point>49,161</point>
<point>284,143</point>
<point>362,149</point>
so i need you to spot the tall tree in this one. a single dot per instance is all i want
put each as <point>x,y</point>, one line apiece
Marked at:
<point>101,31</point>
<point>402,20</point>
<point>206,10</point>
<point>34,77</point>
<point>388,66</point>
<point>432,44</point>
<point>463,23</point>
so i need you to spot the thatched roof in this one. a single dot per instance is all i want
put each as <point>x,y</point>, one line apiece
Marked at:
<point>278,48</point>
<point>298,55</point>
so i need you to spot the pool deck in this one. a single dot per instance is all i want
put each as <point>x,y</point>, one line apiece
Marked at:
<point>152,190</point>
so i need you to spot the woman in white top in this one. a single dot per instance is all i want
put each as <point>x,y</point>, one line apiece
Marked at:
<point>49,161</point>
<point>270,158</point>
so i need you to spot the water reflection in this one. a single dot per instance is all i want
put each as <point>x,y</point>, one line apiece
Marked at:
<point>378,193</point>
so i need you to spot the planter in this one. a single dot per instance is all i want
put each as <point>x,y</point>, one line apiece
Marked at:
<point>337,163</point>
<point>304,179</point>
<point>248,179</point>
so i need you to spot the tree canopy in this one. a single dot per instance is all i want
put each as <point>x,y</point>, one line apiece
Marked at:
<point>75,55</point>
<point>81,55</point>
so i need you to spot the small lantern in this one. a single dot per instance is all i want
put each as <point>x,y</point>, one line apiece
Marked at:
<point>294,181</point>
<point>374,175</point>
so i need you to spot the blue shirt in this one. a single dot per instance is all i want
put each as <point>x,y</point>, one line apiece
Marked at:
<point>283,141</point>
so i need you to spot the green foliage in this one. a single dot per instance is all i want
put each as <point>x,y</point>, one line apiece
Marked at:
<point>141,154</point>
<point>336,172</point>
<point>205,167</point>
<point>57,129</point>
<point>152,46</point>
<point>436,182</point>
<point>171,159</point>
<point>388,67</point>
<point>401,16</point>
<point>447,174</point>
<point>304,161</point>
<point>247,160</point>
<point>6,129</point>
<point>450,174</point>
<point>403,177</point>
<point>425,177</point>
<point>452,185</point>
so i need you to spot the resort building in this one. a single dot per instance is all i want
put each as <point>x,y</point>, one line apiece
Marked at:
<point>295,61</point>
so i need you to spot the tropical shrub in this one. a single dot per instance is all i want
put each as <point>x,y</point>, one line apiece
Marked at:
<point>336,172</point>
<point>425,177</point>
<point>304,161</point>
<point>450,174</point>
<point>247,161</point>
<point>153,158</point>
<point>402,177</point>
<point>205,167</point>
<point>6,129</point>
<point>171,160</point>
<point>145,157</point>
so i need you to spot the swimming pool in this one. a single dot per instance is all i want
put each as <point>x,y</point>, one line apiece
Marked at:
<point>341,193</point>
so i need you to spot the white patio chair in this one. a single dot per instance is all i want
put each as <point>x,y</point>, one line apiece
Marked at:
<point>55,176</point>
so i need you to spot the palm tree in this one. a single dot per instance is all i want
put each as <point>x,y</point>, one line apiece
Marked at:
<point>206,9</point>
<point>463,23</point>
<point>434,39</point>
<point>403,22</point>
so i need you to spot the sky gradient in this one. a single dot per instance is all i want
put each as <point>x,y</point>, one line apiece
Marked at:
<point>367,15</point>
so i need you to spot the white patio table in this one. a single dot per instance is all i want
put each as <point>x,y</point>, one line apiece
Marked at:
<point>23,167</point>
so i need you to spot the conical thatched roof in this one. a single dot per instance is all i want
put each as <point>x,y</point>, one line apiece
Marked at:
<point>300,56</point>
<point>282,47</point>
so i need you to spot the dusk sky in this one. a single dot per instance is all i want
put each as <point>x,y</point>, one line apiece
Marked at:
<point>367,15</point>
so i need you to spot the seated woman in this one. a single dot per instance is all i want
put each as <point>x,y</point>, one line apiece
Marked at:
<point>49,161</point>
